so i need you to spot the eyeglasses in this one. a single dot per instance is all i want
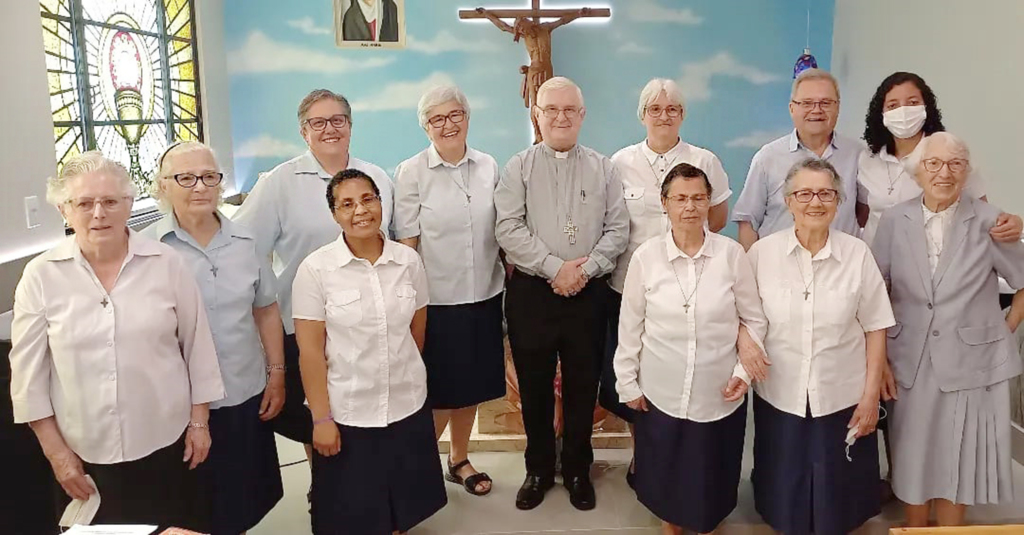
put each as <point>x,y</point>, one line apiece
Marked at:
<point>825,195</point>
<point>551,112</point>
<point>188,180</point>
<point>934,165</point>
<point>808,105</point>
<point>699,199</point>
<point>348,206</point>
<point>672,111</point>
<point>88,206</point>
<point>319,123</point>
<point>455,117</point>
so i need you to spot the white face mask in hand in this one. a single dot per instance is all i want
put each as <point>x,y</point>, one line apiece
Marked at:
<point>905,121</point>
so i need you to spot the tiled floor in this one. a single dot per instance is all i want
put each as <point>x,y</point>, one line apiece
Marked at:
<point>617,512</point>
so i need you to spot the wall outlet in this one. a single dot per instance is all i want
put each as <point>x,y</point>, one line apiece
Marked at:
<point>32,212</point>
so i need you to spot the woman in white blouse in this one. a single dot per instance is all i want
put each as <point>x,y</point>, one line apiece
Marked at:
<point>113,364</point>
<point>444,208</point>
<point>904,110</point>
<point>815,452</point>
<point>685,295</point>
<point>643,168</point>
<point>359,306</point>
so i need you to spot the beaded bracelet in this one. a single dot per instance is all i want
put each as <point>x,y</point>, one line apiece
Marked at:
<point>324,420</point>
<point>272,367</point>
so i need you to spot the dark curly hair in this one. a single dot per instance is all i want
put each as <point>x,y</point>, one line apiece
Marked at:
<point>348,174</point>
<point>875,132</point>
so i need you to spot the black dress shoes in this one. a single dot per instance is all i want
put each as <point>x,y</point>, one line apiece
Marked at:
<point>531,494</point>
<point>581,492</point>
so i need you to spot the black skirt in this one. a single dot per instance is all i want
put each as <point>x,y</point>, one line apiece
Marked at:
<point>464,354</point>
<point>157,489</point>
<point>803,482</point>
<point>687,473</point>
<point>384,479</point>
<point>607,396</point>
<point>242,474</point>
<point>294,422</point>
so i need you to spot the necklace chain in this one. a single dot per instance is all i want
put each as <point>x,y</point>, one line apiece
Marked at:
<point>687,299</point>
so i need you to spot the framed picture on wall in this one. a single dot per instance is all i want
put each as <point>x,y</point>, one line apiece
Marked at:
<point>369,23</point>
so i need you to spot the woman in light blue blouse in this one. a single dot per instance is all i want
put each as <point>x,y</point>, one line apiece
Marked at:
<point>242,474</point>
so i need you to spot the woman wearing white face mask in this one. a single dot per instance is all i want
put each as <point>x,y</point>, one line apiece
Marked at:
<point>902,112</point>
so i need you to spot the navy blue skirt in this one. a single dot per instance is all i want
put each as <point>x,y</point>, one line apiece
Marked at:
<point>242,474</point>
<point>687,473</point>
<point>384,479</point>
<point>607,397</point>
<point>803,482</point>
<point>464,354</point>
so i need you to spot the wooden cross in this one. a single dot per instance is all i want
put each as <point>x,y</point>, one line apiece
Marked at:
<point>104,302</point>
<point>537,36</point>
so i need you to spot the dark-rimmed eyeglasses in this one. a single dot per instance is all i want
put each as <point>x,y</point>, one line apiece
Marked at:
<point>824,195</point>
<point>319,123</point>
<point>455,117</point>
<point>934,165</point>
<point>188,180</point>
<point>808,105</point>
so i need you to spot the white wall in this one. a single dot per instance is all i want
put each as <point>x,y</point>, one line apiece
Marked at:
<point>27,155</point>
<point>969,52</point>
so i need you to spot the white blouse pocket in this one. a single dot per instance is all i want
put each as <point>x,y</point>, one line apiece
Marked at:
<point>634,200</point>
<point>344,308</point>
<point>406,295</point>
<point>777,304</point>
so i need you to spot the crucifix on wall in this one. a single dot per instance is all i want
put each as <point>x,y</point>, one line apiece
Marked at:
<point>537,37</point>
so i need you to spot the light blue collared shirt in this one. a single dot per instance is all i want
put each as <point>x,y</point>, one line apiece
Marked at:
<point>762,202</point>
<point>288,215</point>
<point>232,279</point>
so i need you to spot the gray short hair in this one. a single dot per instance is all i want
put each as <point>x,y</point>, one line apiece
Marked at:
<point>558,82</point>
<point>92,161</point>
<point>437,96</point>
<point>814,74</point>
<point>818,165</point>
<point>317,95</point>
<point>913,162</point>
<point>166,172</point>
<point>654,88</point>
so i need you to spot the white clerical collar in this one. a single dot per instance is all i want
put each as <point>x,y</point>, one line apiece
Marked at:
<point>369,12</point>
<point>556,153</point>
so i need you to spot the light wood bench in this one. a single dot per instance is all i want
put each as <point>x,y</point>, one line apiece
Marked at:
<point>1017,529</point>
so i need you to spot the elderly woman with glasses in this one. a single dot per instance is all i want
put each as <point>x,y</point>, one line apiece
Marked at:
<point>815,452</point>
<point>360,318</point>
<point>951,352</point>
<point>685,296</point>
<point>242,474</point>
<point>444,208</point>
<point>286,216</point>
<point>643,168</point>
<point>113,364</point>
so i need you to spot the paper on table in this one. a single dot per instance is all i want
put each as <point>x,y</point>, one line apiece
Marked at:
<point>111,530</point>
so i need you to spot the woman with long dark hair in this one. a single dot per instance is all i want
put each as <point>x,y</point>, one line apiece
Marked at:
<point>903,111</point>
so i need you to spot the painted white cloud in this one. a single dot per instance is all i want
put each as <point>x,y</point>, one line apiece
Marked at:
<point>266,146</point>
<point>756,139</point>
<point>652,11</point>
<point>635,48</point>
<point>260,54</point>
<point>445,41</point>
<point>406,95</point>
<point>307,26</point>
<point>696,78</point>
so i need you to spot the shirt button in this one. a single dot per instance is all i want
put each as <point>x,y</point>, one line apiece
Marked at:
<point>935,333</point>
<point>113,377</point>
<point>111,411</point>
<point>929,306</point>
<point>110,344</point>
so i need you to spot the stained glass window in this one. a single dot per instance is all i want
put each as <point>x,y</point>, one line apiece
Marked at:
<point>123,78</point>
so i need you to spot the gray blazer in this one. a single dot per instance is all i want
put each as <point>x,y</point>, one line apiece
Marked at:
<point>958,310</point>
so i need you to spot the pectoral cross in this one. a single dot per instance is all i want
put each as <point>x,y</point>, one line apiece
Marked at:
<point>890,190</point>
<point>807,293</point>
<point>686,308</point>
<point>104,302</point>
<point>570,230</point>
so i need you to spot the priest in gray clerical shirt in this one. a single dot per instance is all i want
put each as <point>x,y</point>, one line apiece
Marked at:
<point>562,222</point>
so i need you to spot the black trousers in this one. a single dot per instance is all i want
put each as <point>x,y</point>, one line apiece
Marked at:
<point>294,422</point>
<point>542,328</point>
